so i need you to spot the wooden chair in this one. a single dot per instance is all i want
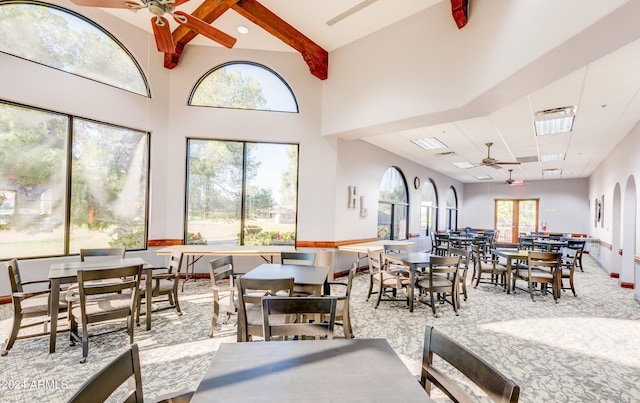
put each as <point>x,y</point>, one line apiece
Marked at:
<point>301,258</point>
<point>343,296</point>
<point>441,244</point>
<point>577,244</point>
<point>385,280</point>
<point>543,269</point>
<point>250,294</point>
<point>482,264</point>
<point>400,250</point>
<point>28,304</point>
<point>102,384</point>
<point>465,262</point>
<point>222,285</point>
<point>309,312</point>
<point>492,382</point>
<point>100,302</point>
<point>165,285</point>
<point>441,281</point>
<point>569,262</point>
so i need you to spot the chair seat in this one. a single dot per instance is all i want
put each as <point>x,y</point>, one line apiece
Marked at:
<point>539,274</point>
<point>437,282</point>
<point>114,302</point>
<point>40,303</point>
<point>392,281</point>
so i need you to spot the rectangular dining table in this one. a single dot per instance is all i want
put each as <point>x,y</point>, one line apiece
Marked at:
<point>413,261</point>
<point>65,273</point>
<point>312,278</point>
<point>362,249</point>
<point>511,255</point>
<point>363,370</point>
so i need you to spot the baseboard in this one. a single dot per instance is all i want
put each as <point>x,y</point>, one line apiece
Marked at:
<point>629,286</point>
<point>614,275</point>
<point>5,299</point>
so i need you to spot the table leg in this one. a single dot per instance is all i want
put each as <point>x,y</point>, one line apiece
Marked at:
<point>508,276</point>
<point>147,295</point>
<point>412,279</point>
<point>54,304</point>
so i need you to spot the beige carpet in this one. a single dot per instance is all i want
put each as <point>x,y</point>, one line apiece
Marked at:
<point>582,349</point>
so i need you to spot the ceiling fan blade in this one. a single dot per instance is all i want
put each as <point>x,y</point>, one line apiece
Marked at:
<point>507,163</point>
<point>178,2</point>
<point>205,29</point>
<point>162,32</point>
<point>103,3</point>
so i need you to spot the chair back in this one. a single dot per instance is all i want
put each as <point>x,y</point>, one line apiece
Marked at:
<point>250,294</point>
<point>549,261</point>
<point>399,249</point>
<point>301,258</point>
<point>465,256</point>
<point>304,309</point>
<point>447,265</point>
<point>376,262</point>
<point>576,244</point>
<point>525,243</point>
<point>569,257</point>
<point>102,252</point>
<point>221,269</point>
<point>496,386</point>
<point>102,384</point>
<point>14,276</point>
<point>128,278</point>
<point>175,262</point>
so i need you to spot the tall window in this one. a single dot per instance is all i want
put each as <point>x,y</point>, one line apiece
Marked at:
<point>243,85</point>
<point>61,39</point>
<point>452,209</point>
<point>429,208</point>
<point>393,205</point>
<point>50,207</point>
<point>241,193</point>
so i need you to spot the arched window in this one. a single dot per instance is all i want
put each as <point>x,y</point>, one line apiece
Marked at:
<point>393,206</point>
<point>429,208</point>
<point>63,40</point>
<point>452,209</point>
<point>244,85</point>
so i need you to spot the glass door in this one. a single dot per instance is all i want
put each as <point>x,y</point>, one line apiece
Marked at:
<point>515,217</point>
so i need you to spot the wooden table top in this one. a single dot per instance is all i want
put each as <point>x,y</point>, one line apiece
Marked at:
<point>364,247</point>
<point>66,269</point>
<point>363,370</point>
<point>302,275</point>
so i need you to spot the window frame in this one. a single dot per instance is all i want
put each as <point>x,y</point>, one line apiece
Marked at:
<point>432,183</point>
<point>452,211</point>
<point>393,204</point>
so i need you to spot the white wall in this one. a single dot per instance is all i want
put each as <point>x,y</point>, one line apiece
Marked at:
<point>564,204</point>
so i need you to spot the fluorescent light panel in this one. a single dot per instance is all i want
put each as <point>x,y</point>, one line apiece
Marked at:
<point>553,121</point>
<point>431,143</point>
<point>463,164</point>
<point>552,157</point>
<point>552,172</point>
<point>482,177</point>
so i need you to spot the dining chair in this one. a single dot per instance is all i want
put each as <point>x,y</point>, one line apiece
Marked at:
<point>442,244</point>
<point>577,244</point>
<point>102,384</point>
<point>465,262</point>
<point>343,296</point>
<point>28,304</point>
<point>301,258</point>
<point>386,281</point>
<point>542,269</point>
<point>441,282</point>
<point>298,317</point>
<point>484,264</point>
<point>165,285</point>
<point>100,302</point>
<point>224,289</point>
<point>250,294</point>
<point>399,250</point>
<point>569,262</point>
<point>439,348</point>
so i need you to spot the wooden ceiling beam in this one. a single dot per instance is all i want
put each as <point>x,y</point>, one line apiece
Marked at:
<point>316,58</point>
<point>208,12</point>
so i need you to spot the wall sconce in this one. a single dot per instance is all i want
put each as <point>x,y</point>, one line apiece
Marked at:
<point>363,210</point>
<point>353,197</point>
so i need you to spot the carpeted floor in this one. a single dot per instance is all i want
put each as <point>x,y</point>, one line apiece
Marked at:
<point>582,349</point>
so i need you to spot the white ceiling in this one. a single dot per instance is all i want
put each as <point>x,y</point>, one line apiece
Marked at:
<point>605,93</point>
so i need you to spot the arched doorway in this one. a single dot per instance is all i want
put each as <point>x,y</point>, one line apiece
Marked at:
<point>627,272</point>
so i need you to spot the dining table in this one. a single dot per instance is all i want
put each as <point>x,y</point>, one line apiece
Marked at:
<point>361,249</point>
<point>339,370</point>
<point>413,261</point>
<point>550,244</point>
<point>305,277</point>
<point>67,272</point>
<point>510,255</point>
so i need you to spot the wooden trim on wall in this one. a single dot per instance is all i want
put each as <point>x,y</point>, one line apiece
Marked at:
<point>5,299</point>
<point>630,286</point>
<point>614,275</point>
<point>605,245</point>
<point>331,244</point>
<point>164,242</point>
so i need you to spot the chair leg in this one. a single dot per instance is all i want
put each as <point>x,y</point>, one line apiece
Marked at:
<point>17,320</point>
<point>370,287</point>
<point>380,292</point>
<point>175,300</point>
<point>140,297</point>
<point>346,325</point>
<point>214,320</point>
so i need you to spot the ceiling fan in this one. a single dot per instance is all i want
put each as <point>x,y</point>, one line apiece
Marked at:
<point>492,162</point>
<point>513,182</point>
<point>160,25</point>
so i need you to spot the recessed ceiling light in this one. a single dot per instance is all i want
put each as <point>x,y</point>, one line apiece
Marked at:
<point>463,164</point>
<point>429,144</point>
<point>242,29</point>
<point>557,120</point>
<point>552,172</point>
<point>552,157</point>
<point>482,177</point>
